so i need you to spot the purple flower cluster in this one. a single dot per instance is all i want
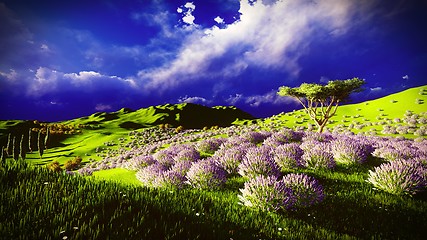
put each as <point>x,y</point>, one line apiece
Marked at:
<point>206,174</point>
<point>288,156</point>
<point>306,190</point>
<point>395,149</point>
<point>230,158</point>
<point>349,151</point>
<point>210,145</point>
<point>150,176</point>
<point>266,193</point>
<point>399,177</point>
<point>139,162</point>
<point>318,158</point>
<point>258,161</point>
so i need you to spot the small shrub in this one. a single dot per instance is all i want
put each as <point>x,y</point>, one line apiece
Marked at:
<point>209,146</point>
<point>258,161</point>
<point>151,176</point>
<point>54,166</point>
<point>171,179</point>
<point>73,164</point>
<point>266,194</point>
<point>349,151</point>
<point>399,177</point>
<point>306,190</point>
<point>230,158</point>
<point>206,174</point>
<point>318,158</point>
<point>288,156</point>
<point>139,162</point>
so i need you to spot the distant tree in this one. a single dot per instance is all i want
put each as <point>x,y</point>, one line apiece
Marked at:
<point>321,101</point>
<point>23,151</point>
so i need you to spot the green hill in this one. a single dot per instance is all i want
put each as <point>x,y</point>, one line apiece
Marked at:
<point>399,112</point>
<point>83,136</point>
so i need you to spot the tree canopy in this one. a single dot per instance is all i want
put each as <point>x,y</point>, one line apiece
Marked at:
<point>321,101</point>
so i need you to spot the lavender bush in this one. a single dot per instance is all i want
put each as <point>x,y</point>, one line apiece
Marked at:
<point>266,193</point>
<point>206,174</point>
<point>399,177</point>
<point>210,145</point>
<point>171,179</point>
<point>349,151</point>
<point>306,190</point>
<point>258,161</point>
<point>288,156</point>
<point>151,175</point>
<point>139,162</point>
<point>164,157</point>
<point>318,158</point>
<point>230,158</point>
<point>185,153</point>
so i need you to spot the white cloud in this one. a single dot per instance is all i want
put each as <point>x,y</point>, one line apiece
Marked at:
<point>103,107</point>
<point>269,36</point>
<point>406,77</point>
<point>188,17</point>
<point>219,20</point>
<point>196,100</point>
<point>256,100</point>
<point>376,89</point>
<point>47,80</point>
<point>11,76</point>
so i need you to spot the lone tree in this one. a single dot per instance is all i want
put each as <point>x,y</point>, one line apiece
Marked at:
<point>321,101</point>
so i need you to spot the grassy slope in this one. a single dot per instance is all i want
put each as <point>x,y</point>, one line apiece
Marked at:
<point>387,108</point>
<point>110,127</point>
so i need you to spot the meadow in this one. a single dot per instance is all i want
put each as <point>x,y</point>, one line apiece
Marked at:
<point>273,178</point>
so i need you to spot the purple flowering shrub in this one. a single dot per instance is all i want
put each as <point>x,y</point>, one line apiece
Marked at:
<point>288,156</point>
<point>255,137</point>
<point>164,157</point>
<point>395,149</point>
<point>139,162</point>
<point>399,177</point>
<point>185,153</point>
<point>181,167</point>
<point>266,193</point>
<point>318,157</point>
<point>171,179</point>
<point>210,145</point>
<point>206,174</point>
<point>150,176</point>
<point>230,158</point>
<point>306,190</point>
<point>349,151</point>
<point>258,161</point>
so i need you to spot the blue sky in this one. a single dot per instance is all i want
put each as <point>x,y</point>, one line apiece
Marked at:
<point>66,59</point>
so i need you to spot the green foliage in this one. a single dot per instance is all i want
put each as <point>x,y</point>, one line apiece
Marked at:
<point>54,166</point>
<point>73,164</point>
<point>321,101</point>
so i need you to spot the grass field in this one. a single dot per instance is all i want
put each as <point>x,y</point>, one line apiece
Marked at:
<point>113,203</point>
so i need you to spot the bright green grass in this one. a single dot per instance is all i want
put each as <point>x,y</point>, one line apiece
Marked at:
<point>44,204</point>
<point>119,175</point>
<point>386,108</point>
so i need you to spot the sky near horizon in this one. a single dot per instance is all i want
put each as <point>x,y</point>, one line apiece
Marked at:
<point>66,59</point>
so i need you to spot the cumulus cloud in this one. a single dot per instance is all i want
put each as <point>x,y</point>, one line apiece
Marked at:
<point>376,89</point>
<point>187,12</point>
<point>47,81</point>
<point>103,107</point>
<point>219,20</point>
<point>196,100</point>
<point>271,35</point>
<point>259,99</point>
